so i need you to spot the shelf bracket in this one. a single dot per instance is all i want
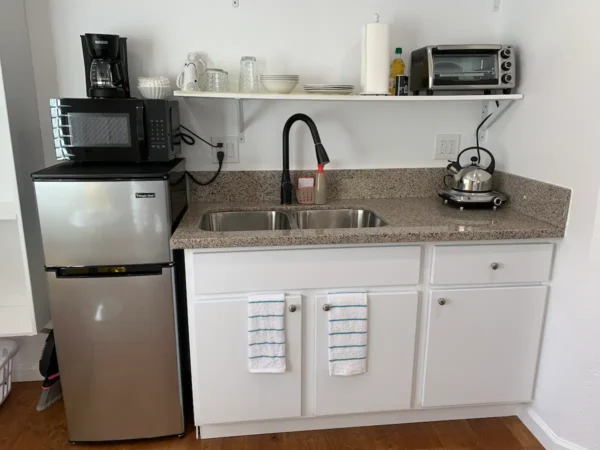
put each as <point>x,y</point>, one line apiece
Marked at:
<point>496,108</point>
<point>241,123</point>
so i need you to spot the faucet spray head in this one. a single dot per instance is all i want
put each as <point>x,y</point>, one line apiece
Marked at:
<point>322,157</point>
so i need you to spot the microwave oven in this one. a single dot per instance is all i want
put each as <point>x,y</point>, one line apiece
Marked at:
<point>484,68</point>
<point>115,130</point>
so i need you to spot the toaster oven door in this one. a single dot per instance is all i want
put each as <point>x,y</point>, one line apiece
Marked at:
<point>99,129</point>
<point>465,68</point>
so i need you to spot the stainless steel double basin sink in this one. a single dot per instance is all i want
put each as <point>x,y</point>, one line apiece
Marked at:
<point>306,219</point>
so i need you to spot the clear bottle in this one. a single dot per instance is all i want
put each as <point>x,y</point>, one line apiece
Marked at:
<point>320,186</point>
<point>248,75</point>
<point>396,68</point>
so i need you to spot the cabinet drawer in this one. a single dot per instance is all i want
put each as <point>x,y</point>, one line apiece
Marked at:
<point>474,264</point>
<point>272,270</point>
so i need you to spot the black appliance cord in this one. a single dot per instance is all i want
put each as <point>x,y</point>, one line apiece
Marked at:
<point>189,140</point>
<point>477,134</point>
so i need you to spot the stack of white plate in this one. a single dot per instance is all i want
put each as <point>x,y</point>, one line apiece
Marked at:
<point>338,89</point>
<point>279,84</point>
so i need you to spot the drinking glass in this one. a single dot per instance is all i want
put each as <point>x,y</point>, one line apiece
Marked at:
<point>216,80</point>
<point>248,75</point>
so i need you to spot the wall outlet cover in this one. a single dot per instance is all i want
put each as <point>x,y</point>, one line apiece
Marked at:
<point>447,146</point>
<point>231,147</point>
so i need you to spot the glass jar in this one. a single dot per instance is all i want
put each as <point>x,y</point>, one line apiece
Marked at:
<point>216,80</point>
<point>248,75</point>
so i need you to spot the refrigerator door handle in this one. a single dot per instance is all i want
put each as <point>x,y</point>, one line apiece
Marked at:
<point>131,270</point>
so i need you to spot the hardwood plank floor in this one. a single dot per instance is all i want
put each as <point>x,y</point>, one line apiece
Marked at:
<point>22,428</point>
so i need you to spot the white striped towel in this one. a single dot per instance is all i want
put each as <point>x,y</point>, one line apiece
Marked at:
<point>266,333</point>
<point>347,333</point>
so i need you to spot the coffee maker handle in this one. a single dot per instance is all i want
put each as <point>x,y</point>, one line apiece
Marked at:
<point>117,74</point>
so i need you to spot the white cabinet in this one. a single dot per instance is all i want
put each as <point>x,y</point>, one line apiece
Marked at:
<point>224,390</point>
<point>491,264</point>
<point>387,384</point>
<point>482,345</point>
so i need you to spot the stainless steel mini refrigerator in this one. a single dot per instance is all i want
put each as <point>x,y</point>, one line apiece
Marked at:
<point>106,231</point>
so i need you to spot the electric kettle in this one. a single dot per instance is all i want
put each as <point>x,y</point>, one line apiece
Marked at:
<point>474,177</point>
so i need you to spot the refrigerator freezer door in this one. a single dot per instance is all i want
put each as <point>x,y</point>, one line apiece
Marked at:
<point>104,222</point>
<point>117,353</point>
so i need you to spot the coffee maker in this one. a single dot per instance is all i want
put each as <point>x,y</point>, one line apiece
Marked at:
<point>105,57</point>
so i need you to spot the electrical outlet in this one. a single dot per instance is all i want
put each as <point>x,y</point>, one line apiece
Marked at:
<point>446,146</point>
<point>231,146</point>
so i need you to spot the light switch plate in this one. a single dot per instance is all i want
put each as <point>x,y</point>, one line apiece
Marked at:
<point>231,147</point>
<point>497,5</point>
<point>447,146</point>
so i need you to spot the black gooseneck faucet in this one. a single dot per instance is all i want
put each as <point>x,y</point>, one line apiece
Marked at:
<point>286,181</point>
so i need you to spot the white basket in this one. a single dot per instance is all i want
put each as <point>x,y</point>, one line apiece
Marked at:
<point>8,350</point>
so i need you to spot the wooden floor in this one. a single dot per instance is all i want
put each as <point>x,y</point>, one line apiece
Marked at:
<point>22,428</point>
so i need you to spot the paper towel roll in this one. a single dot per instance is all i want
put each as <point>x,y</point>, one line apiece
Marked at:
<point>375,74</point>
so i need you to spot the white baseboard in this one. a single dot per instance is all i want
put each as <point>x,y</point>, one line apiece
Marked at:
<point>540,429</point>
<point>354,420</point>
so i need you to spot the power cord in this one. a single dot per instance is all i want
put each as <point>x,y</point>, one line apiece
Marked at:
<point>220,157</point>
<point>189,140</point>
<point>477,133</point>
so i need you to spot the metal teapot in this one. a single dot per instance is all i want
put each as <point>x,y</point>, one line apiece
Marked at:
<point>472,178</point>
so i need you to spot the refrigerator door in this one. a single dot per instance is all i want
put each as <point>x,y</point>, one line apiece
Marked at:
<point>104,222</point>
<point>117,352</point>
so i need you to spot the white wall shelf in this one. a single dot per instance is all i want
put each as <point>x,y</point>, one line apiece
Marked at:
<point>495,104</point>
<point>350,98</point>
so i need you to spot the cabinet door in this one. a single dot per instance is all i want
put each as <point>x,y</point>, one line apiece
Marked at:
<point>387,384</point>
<point>483,345</point>
<point>224,390</point>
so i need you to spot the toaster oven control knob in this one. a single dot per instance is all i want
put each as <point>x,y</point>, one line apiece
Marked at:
<point>506,66</point>
<point>507,78</point>
<point>506,53</point>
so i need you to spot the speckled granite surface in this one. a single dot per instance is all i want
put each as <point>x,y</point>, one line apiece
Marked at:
<point>260,186</point>
<point>409,220</point>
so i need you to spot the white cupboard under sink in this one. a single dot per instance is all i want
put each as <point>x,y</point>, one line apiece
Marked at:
<point>435,351</point>
<point>225,391</point>
<point>387,385</point>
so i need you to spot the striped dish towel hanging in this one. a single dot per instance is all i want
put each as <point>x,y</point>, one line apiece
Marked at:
<point>347,333</point>
<point>266,333</point>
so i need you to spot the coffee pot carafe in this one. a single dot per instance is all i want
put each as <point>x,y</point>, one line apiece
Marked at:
<point>105,57</point>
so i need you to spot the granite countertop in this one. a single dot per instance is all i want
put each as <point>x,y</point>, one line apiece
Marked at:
<point>409,220</point>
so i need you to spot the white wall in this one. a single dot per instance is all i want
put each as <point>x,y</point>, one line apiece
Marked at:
<point>317,39</point>
<point>552,136</point>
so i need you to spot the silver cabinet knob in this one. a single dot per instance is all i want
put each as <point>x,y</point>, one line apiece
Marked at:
<point>494,266</point>
<point>292,308</point>
<point>442,301</point>
<point>326,307</point>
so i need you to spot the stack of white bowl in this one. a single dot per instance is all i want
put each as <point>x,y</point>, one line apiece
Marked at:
<point>154,87</point>
<point>279,84</point>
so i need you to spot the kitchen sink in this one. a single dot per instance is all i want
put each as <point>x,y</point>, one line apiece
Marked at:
<point>337,218</point>
<point>245,221</point>
<point>308,219</point>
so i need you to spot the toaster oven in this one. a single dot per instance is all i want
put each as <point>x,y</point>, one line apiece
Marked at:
<point>484,68</point>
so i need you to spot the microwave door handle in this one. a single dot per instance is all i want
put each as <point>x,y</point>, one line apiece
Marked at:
<point>139,123</point>
<point>468,47</point>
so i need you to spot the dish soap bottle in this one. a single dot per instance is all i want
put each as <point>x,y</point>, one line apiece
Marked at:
<point>320,186</point>
<point>397,68</point>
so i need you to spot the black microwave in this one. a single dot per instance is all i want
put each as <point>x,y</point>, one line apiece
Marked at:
<point>115,130</point>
